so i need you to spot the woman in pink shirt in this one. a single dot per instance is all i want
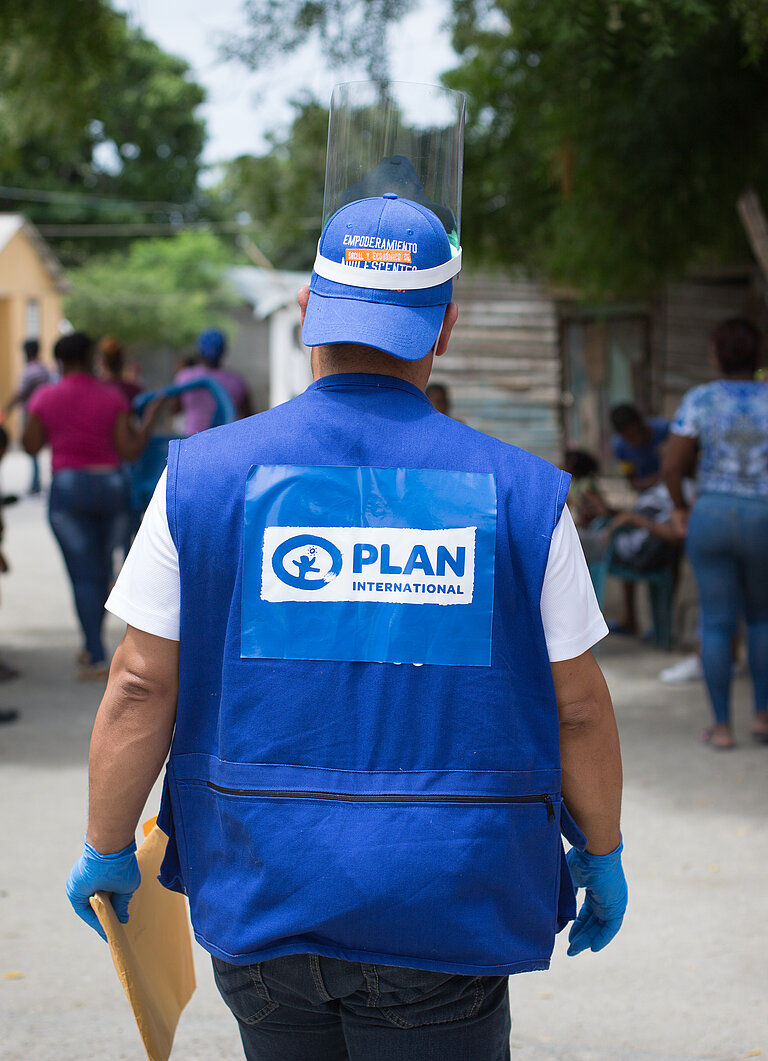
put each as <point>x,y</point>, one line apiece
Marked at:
<point>88,426</point>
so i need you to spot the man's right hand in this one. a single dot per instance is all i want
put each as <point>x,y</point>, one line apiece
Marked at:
<point>94,872</point>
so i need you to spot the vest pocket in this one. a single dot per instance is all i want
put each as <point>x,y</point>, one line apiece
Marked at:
<point>441,872</point>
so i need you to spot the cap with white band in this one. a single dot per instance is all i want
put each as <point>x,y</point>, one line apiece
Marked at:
<point>400,279</point>
<point>382,277</point>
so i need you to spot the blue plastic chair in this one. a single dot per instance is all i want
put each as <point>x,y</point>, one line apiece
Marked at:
<point>145,472</point>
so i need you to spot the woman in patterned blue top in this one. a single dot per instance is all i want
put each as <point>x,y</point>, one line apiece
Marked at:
<point>725,425</point>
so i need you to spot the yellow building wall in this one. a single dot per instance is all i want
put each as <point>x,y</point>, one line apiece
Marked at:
<point>23,278</point>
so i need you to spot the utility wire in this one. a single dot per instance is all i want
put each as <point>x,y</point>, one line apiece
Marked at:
<point>38,195</point>
<point>140,229</point>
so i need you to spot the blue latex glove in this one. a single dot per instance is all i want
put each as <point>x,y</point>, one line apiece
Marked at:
<point>603,908</point>
<point>93,872</point>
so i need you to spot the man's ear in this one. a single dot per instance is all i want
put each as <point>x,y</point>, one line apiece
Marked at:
<point>450,318</point>
<point>302,297</point>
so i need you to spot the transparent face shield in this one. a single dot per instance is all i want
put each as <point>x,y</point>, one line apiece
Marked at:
<point>402,138</point>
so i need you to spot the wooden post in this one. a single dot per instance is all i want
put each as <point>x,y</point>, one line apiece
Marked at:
<point>755,225</point>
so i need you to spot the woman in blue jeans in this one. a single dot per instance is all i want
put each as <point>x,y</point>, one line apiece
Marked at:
<point>725,426</point>
<point>89,429</point>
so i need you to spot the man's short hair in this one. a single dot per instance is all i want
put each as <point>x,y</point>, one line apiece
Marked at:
<point>383,239</point>
<point>31,349</point>
<point>624,416</point>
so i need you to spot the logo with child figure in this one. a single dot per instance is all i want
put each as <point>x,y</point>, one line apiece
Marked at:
<point>306,562</point>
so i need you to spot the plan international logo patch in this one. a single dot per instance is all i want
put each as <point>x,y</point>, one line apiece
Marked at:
<point>375,565</point>
<point>394,565</point>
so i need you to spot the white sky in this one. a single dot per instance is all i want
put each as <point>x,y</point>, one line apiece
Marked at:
<point>241,105</point>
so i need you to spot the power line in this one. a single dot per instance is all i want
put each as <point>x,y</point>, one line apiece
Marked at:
<point>39,195</point>
<point>140,229</point>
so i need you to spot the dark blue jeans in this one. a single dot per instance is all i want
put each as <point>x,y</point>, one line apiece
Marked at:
<point>728,547</point>
<point>307,1008</point>
<point>34,486</point>
<point>84,509</point>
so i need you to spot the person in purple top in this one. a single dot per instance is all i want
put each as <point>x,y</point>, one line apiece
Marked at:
<point>198,405</point>
<point>33,376</point>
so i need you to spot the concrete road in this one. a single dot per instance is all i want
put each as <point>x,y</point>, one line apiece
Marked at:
<point>685,980</point>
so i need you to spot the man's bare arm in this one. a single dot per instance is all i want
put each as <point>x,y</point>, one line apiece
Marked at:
<point>589,751</point>
<point>131,736</point>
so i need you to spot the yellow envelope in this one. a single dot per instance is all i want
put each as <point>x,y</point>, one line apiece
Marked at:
<point>153,952</point>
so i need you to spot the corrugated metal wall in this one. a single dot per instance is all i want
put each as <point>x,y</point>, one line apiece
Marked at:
<point>503,366</point>
<point>688,313</point>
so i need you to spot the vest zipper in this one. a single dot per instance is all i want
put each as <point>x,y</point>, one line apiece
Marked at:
<point>386,797</point>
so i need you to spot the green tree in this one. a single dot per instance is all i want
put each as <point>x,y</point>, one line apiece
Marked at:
<point>608,142</point>
<point>346,30</point>
<point>282,191</point>
<point>135,138</point>
<point>158,291</point>
<point>52,52</point>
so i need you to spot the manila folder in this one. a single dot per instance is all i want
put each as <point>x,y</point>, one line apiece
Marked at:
<point>153,951</point>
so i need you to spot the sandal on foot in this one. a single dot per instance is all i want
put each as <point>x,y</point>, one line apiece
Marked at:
<point>7,674</point>
<point>707,736</point>
<point>93,672</point>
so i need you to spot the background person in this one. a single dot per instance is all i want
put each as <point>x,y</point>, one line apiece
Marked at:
<point>362,881</point>
<point>110,367</point>
<point>6,673</point>
<point>644,537</point>
<point>637,445</point>
<point>725,425</point>
<point>7,714</point>
<point>438,395</point>
<point>586,503</point>
<point>34,375</point>
<point>198,405</point>
<point>88,426</point>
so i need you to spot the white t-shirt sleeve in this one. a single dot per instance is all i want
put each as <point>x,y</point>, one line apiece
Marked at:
<point>147,593</point>
<point>570,613</point>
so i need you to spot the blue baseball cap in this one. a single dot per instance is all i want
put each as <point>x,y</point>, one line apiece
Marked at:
<point>211,344</point>
<point>382,278</point>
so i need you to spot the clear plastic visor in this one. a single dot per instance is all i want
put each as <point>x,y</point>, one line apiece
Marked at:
<point>394,136</point>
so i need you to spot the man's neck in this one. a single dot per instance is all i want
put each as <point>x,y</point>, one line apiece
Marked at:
<point>333,361</point>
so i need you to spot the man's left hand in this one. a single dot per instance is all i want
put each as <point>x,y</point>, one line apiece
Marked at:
<point>602,911</point>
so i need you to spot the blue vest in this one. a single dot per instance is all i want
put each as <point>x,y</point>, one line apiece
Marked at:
<point>319,798</point>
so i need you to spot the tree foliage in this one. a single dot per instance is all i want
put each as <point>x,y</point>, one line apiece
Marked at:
<point>127,135</point>
<point>52,52</point>
<point>347,30</point>
<point>158,291</point>
<point>608,142</point>
<point>282,191</point>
